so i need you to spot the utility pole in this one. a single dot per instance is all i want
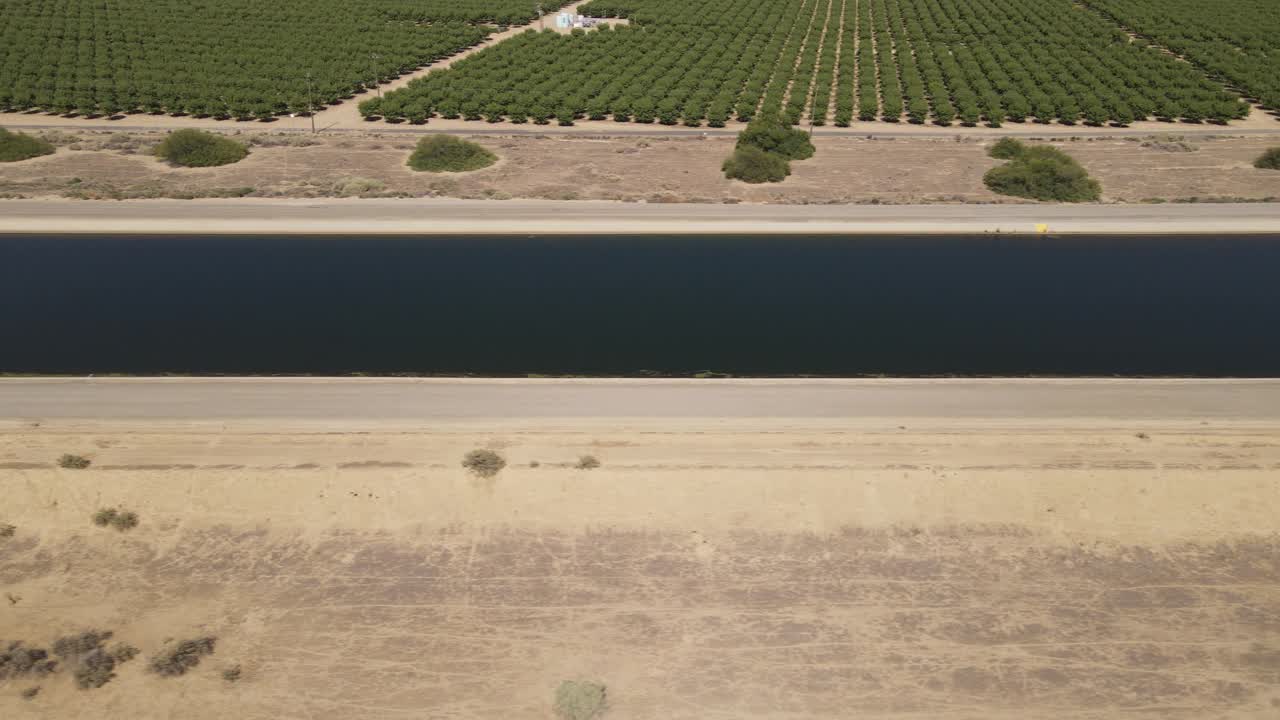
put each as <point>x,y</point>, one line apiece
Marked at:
<point>377,82</point>
<point>542,20</point>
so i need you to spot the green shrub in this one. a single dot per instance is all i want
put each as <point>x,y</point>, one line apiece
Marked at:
<point>753,165</point>
<point>580,700</point>
<point>772,136</point>
<point>1006,149</point>
<point>20,146</point>
<point>1043,173</point>
<point>74,462</point>
<point>485,463</point>
<point>445,153</point>
<point>197,148</point>
<point>1269,160</point>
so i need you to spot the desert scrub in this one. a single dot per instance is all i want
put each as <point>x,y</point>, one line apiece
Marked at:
<point>484,463</point>
<point>587,462</point>
<point>1043,173</point>
<point>580,700</point>
<point>17,660</point>
<point>1269,160</point>
<point>231,674</point>
<point>74,462</point>
<point>444,153</point>
<point>59,138</point>
<point>179,658</point>
<point>92,665</point>
<point>119,519</point>
<point>7,531</point>
<point>125,520</point>
<point>358,187</point>
<point>20,146</point>
<point>197,148</point>
<point>752,165</point>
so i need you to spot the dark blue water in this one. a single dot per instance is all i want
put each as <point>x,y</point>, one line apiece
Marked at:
<point>626,305</point>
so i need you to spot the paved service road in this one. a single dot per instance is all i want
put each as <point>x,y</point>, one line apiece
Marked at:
<point>442,400</point>
<point>451,216</point>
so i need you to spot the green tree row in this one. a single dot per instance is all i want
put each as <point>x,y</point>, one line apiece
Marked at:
<point>941,61</point>
<point>242,58</point>
<point>1237,41</point>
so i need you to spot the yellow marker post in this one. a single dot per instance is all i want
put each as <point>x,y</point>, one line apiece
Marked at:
<point>1042,228</point>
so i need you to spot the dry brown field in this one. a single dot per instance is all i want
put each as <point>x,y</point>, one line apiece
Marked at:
<point>99,165</point>
<point>1008,565</point>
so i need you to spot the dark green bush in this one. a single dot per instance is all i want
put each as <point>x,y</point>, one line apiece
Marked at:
<point>1269,160</point>
<point>445,153</point>
<point>20,146</point>
<point>1043,173</point>
<point>1006,149</point>
<point>772,136</point>
<point>197,148</point>
<point>753,165</point>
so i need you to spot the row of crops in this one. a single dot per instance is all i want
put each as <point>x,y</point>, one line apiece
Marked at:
<point>246,58</point>
<point>1237,41</point>
<point>826,60</point>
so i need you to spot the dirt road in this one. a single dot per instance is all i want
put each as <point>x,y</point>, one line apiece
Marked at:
<point>450,216</point>
<point>905,550</point>
<point>450,400</point>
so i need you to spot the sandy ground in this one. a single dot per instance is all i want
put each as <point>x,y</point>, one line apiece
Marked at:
<point>1087,561</point>
<point>845,170</point>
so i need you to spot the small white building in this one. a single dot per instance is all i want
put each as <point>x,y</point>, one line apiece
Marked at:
<point>566,21</point>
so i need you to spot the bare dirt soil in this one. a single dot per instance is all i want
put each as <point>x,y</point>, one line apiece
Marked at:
<point>95,165</point>
<point>734,569</point>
